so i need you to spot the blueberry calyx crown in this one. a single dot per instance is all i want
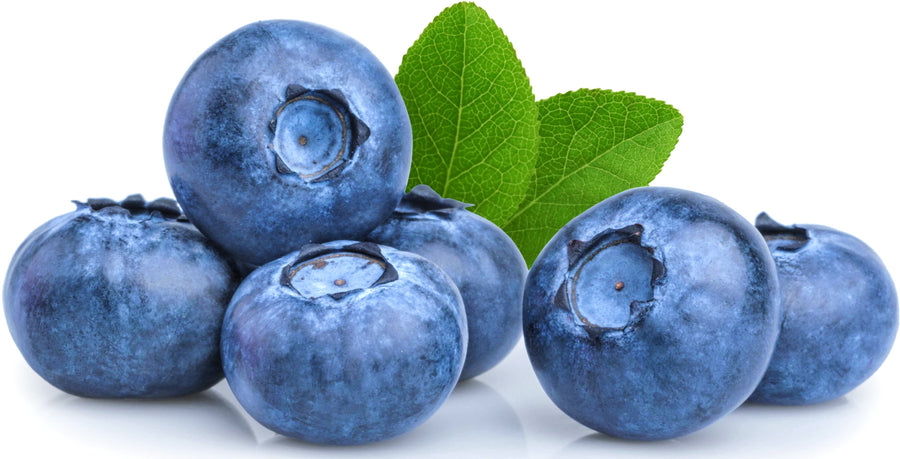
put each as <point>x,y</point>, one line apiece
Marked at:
<point>321,270</point>
<point>781,237</point>
<point>314,134</point>
<point>422,200</point>
<point>134,206</point>
<point>610,281</point>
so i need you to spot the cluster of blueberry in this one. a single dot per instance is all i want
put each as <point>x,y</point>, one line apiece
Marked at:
<point>335,304</point>
<point>343,311</point>
<point>658,311</point>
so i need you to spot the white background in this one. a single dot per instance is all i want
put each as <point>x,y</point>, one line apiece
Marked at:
<point>792,108</point>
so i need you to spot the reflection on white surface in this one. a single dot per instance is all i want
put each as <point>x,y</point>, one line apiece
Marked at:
<point>151,426</point>
<point>750,431</point>
<point>473,413</point>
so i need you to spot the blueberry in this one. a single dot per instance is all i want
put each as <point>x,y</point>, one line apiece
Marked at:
<point>120,300</point>
<point>840,314</point>
<point>286,133</point>
<point>482,260</point>
<point>652,314</point>
<point>344,342</point>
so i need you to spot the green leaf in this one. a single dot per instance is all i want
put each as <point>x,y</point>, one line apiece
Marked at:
<point>593,144</point>
<point>473,114</point>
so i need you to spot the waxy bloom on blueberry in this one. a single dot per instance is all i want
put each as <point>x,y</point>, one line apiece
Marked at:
<point>286,133</point>
<point>482,260</point>
<point>840,314</point>
<point>652,314</point>
<point>344,342</point>
<point>120,299</point>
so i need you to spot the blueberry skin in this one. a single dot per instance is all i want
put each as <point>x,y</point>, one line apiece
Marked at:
<point>482,260</point>
<point>840,314</point>
<point>285,133</point>
<point>120,300</point>
<point>340,353</point>
<point>676,313</point>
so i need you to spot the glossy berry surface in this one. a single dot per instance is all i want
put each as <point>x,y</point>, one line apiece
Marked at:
<point>652,314</point>
<point>344,342</point>
<point>482,260</point>
<point>120,299</point>
<point>840,314</point>
<point>286,133</point>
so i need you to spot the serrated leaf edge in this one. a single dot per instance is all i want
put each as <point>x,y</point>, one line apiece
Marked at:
<point>680,119</point>
<point>459,108</point>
